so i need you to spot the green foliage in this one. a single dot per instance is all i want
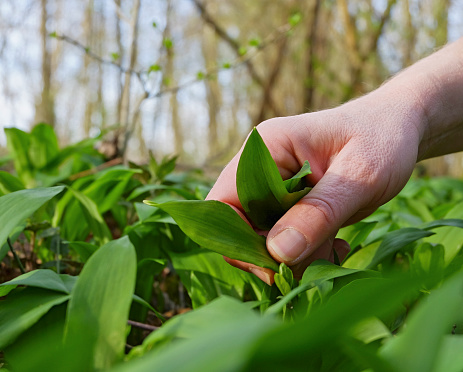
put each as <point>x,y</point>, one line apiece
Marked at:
<point>168,43</point>
<point>295,19</point>
<point>101,300</point>
<point>19,205</point>
<point>154,68</point>
<point>98,257</point>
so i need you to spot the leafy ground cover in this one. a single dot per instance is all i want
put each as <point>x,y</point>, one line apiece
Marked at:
<point>94,279</point>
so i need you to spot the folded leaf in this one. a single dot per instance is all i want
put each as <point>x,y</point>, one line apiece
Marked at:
<point>264,195</point>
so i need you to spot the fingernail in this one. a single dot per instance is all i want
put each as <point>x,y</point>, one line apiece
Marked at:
<point>262,275</point>
<point>289,245</point>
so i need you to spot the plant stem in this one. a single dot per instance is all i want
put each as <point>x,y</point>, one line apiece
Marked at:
<point>147,327</point>
<point>18,261</point>
<point>58,253</point>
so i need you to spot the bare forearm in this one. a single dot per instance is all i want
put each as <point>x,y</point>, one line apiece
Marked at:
<point>434,86</point>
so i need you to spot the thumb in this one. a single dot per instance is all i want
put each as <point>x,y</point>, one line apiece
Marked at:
<point>317,217</point>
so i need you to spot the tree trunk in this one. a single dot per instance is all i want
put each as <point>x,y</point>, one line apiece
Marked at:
<point>45,106</point>
<point>213,92</point>
<point>124,110</point>
<point>311,44</point>
<point>169,79</point>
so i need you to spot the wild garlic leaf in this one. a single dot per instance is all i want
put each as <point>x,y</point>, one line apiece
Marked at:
<point>264,195</point>
<point>296,182</point>
<point>284,279</point>
<point>216,226</point>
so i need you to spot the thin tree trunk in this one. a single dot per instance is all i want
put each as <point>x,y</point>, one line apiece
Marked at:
<point>267,101</point>
<point>311,44</point>
<point>88,32</point>
<point>440,166</point>
<point>213,92</point>
<point>126,89</point>
<point>120,52</point>
<point>45,107</point>
<point>169,79</point>
<point>409,37</point>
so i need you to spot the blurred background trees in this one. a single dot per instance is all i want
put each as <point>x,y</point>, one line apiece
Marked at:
<point>194,76</point>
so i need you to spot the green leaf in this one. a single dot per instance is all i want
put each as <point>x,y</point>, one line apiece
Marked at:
<point>22,309</point>
<point>200,75</point>
<point>207,276</point>
<point>46,279</point>
<point>394,241</point>
<point>43,145</point>
<point>115,56</point>
<point>450,357</point>
<point>365,356</point>
<point>453,222</point>
<point>17,141</point>
<point>147,188</point>
<point>261,190</point>
<point>428,258</point>
<point>19,205</point>
<point>101,300</point>
<point>242,51</point>
<point>154,68</point>
<point>83,249</point>
<point>216,226</point>
<point>296,182</point>
<point>357,233</point>
<point>417,346</point>
<point>168,44</point>
<point>335,318</point>
<point>9,183</point>
<point>295,19</point>
<point>92,215</point>
<point>284,279</point>
<point>449,237</point>
<point>317,273</point>
<point>216,337</point>
<point>226,65</point>
<point>371,329</point>
<point>254,42</point>
<point>322,270</point>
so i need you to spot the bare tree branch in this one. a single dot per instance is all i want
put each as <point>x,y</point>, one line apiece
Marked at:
<point>220,31</point>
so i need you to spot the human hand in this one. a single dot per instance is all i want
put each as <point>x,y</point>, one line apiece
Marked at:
<point>361,155</point>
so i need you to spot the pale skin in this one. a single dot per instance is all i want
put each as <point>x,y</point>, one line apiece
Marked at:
<point>361,153</point>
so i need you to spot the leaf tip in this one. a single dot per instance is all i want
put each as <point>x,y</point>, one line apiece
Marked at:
<point>151,203</point>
